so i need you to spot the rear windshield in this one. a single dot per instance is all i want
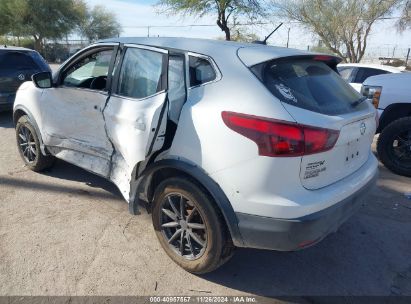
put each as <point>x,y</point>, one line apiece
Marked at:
<point>40,61</point>
<point>307,84</point>
<point>18,61</point>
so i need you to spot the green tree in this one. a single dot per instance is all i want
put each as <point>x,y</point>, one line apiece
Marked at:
<point>11,18</point>
<point>41,19</point>
<point>223,10</point>
<point>243,34</point>
<point>343,25</point>
<point>99,24</point>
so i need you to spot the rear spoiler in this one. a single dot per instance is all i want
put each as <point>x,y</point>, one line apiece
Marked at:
<point>257,54</point>
<point>330,60</point>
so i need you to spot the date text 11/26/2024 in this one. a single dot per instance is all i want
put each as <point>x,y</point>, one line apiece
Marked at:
<point>203,299</point>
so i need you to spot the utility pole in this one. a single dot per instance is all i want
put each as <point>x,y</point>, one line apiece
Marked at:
<point>288,36</point>
<point>408,56</point>
<point>393,53</point>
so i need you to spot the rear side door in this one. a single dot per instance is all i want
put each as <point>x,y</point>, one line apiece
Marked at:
<point>136,114</point>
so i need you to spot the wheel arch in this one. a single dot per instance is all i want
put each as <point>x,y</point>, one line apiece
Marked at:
<point>160,170</point>
<point>393,112</point>
<point>20,111</point>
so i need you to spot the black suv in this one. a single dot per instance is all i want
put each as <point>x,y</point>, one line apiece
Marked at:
<point>17,65</point>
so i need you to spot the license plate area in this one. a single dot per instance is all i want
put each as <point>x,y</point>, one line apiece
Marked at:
<point>352,151</point>
<point>347,156</point>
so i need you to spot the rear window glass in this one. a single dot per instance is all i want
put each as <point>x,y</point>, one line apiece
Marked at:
<point>345,73</point>
<point>40,61</point>
<point>201,71</point>
<point>141,73</point>
<point>364,73</point>
<point>17,61</point>
<point>307,84</point>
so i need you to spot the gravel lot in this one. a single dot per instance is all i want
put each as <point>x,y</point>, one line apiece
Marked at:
<point>68,232</point>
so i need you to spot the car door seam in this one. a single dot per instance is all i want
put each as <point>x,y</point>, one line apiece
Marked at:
<point>158,126</point>
<point>110,168</point>
<point>117,52</point>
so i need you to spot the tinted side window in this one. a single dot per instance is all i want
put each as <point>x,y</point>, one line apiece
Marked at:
<point>345,73</point>
<point>364,73</point>
<point>176,86</point>
<point>90,72</point>
<point>140,74</point>
<point>40,61</point>
<point>17,61</point>
<point>201,71</point>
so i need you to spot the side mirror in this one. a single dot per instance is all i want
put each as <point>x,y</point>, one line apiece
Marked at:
<point>42,80</point>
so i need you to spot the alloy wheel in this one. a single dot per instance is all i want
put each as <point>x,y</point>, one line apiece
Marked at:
<point>183,227</point>
<point>27,144</point>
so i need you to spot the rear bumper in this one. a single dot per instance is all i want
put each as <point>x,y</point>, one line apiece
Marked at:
<point>293,234</point>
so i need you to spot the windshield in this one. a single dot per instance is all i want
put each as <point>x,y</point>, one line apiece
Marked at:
<point>307,84</point>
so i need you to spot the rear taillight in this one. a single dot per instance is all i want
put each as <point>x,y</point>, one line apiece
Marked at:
<point>372,93</point>
<point>279,138</point>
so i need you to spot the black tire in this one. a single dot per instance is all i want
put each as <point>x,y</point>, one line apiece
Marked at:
<point>28,145</point>
<point>394,146</point>
<point>199,210</point>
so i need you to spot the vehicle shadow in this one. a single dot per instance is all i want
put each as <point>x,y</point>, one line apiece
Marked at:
<point>6,119</point>
<point>67,171</point>
<point>365,257</point>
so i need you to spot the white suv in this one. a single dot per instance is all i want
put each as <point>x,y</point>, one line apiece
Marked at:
<point>227,144</point>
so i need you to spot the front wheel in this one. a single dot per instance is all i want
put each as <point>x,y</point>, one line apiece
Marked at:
<point>394,146</point>
<point>28,145</point>
<point>189,227</point>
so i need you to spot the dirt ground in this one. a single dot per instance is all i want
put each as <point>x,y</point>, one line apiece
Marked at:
<point>68,232</point>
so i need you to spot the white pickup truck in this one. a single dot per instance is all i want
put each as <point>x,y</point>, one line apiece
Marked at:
<point>391,95</point>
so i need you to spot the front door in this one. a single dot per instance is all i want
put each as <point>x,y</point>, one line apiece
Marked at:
<point>74,127</point>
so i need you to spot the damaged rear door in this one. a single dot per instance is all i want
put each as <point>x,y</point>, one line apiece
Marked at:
<point>136,114</point>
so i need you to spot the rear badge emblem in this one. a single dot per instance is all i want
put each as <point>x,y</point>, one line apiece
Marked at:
<point>363,128</point>
<point>21,77</point>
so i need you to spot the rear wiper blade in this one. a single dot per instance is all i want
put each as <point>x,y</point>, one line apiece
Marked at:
<point>359,101</point>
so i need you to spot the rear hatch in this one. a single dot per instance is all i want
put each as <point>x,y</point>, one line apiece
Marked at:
<point>315,95</point>
<point>350,152</point>
<point>17,67</point>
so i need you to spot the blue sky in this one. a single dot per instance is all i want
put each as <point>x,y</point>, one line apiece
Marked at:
<point>141,1</point>
<point>136,15</point>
